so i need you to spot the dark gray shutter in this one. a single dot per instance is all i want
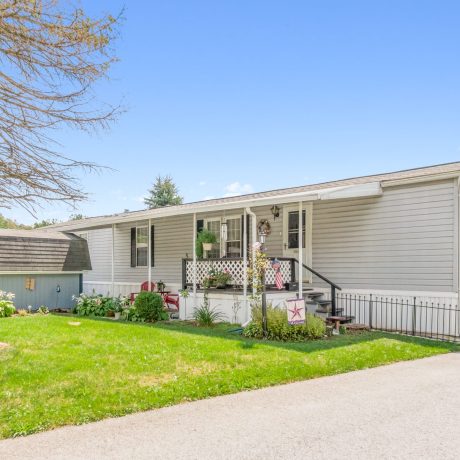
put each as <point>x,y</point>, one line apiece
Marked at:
<point>199,225</point>
<point>152,246</point>
<point>133,246</point>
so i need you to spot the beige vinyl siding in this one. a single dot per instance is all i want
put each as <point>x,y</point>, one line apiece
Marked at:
<point>403,240</point>
<point>100,251</point>
<point>274,241</point>
<point>172,240</point>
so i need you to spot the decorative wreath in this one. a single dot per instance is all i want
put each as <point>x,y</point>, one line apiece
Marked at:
<point>264,227</point>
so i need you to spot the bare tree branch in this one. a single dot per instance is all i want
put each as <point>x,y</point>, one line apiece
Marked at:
<point>50,57</point>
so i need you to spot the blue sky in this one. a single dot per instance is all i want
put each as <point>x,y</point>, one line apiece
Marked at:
<point>234,97</point>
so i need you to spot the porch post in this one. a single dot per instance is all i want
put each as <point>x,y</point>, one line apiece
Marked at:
<point>149,257</point>
<point>194,261</point>
<point>300,251</point>
<point>245,264</point>
<point>113,261</point>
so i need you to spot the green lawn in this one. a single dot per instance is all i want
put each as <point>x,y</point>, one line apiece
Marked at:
<point>55,374</point>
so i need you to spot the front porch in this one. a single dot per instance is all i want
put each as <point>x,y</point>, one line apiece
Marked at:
<point>234,299</point>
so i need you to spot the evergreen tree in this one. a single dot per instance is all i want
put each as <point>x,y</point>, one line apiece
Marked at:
<point>163,193</point>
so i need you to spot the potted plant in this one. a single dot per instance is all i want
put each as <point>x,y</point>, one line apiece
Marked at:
<point>222,278</point>
<point>117,310</point>
<point>204,242</point>
<point>161,286</point>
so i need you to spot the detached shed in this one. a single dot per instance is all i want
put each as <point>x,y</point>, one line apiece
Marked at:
<point>42,267</point>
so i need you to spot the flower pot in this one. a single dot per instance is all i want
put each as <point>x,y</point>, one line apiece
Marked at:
<point>117,315</point>
<point>207,246</point>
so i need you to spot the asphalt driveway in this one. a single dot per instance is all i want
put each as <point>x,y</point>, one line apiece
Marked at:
<point>400,411</point>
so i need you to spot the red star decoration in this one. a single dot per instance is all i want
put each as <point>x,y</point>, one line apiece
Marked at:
<point>296,312</point>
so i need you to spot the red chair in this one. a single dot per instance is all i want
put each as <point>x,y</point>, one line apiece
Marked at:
<point>172,300</point>
<point>144,287</point>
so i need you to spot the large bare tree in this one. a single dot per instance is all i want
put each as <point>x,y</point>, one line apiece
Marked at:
<point>51,54</point>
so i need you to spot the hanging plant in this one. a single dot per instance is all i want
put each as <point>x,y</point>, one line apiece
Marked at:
<point>203,240</point>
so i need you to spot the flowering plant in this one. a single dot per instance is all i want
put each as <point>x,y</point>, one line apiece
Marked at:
<point>6,304</point>
<point>216,278</point>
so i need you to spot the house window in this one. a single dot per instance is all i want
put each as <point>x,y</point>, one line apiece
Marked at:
<point>293,229</point>
<point>142,243</point>
<point>233,243</point>
<point>214,227</point>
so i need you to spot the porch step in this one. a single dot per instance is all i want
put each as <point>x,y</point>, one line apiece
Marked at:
<point>323,302</point>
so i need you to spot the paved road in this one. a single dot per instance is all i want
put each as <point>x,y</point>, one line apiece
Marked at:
<point>401,411</point>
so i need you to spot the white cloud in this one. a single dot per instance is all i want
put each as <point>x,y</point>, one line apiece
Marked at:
<point>140,199</point>
<point>235,188</point>
<point>208,197</point>
<point>202,183</point>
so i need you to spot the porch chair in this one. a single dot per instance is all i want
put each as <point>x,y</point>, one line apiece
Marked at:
<point>172,303</point>
<point>144,287</point>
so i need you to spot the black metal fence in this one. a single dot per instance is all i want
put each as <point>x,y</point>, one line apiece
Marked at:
<point>435,318</point>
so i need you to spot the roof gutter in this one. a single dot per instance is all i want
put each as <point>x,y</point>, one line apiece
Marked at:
<point>347,191</point>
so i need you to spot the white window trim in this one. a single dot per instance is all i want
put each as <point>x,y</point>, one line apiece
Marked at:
<point>142,245</point>
<point>222,243</point>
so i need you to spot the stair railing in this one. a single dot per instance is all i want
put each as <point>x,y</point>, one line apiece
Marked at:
<point>332,285</point>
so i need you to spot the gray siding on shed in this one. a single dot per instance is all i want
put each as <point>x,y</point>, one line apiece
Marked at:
<point>403,240</point>
<point>45,290</point>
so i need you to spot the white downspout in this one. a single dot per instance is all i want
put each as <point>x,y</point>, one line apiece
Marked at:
<point>149,256</point>
<point>194,261</point>
<point>254,239</point>
<point>245,265</point>
<point>113,261</point>
<point>300,250</point>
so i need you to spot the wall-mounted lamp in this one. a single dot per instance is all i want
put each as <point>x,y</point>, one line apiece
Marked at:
<point>275,211</point>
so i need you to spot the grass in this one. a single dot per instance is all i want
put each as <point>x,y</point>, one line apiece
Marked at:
<point>55,373</point>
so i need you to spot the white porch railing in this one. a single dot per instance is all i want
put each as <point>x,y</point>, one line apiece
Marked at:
<point>235,267</point>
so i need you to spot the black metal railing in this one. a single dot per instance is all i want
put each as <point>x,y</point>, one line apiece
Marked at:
<point>333,286</point>
<point>435,318</point>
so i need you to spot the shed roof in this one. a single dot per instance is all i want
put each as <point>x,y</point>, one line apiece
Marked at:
<point>42,251</point>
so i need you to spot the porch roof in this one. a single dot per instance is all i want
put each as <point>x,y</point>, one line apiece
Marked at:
<point>347,188</point>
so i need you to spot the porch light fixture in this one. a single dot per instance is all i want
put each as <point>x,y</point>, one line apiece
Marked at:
<point>275,211</point>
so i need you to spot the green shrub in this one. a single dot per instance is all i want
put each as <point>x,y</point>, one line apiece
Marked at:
<point>6,304</point>
<point>279,328</point>
<point>150,306</point>
<point>92,305</point>
<point>131,314</point>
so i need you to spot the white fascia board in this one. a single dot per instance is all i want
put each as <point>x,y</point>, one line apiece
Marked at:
<point>349,191</point>
<point>419,179</point>
<point>353,191</point>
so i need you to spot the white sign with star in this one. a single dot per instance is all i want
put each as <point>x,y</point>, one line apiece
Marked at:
<point>295,311</point>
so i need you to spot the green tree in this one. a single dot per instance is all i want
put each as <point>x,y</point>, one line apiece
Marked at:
<point>45,223</point>
<point>10,223</point>
<point>163,193</point>
<point>76,217</point>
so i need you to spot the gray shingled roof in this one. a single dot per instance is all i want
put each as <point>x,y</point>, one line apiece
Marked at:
<point>37,250</point>
<point>417,173</point>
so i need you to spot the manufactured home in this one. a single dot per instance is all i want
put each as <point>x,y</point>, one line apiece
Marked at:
<point>389,234</point>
